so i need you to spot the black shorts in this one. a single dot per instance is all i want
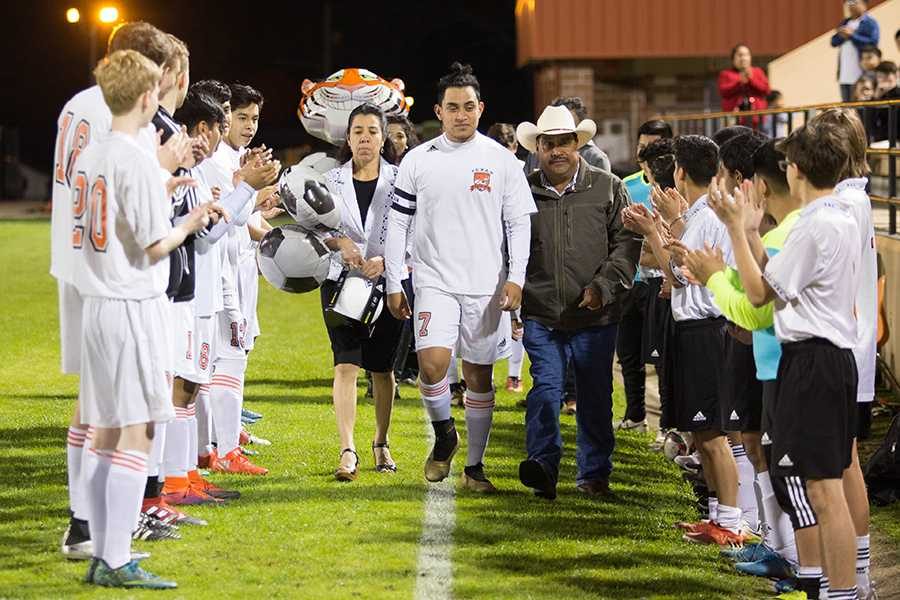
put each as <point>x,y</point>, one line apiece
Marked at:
<point>740,402</point>
<point>696,362</point>
<point>657,321</point>
<point>815,413</point>
<point>769,391</point>
<point>374,349</point>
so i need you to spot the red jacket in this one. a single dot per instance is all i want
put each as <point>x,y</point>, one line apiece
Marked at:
<point>733,91</point>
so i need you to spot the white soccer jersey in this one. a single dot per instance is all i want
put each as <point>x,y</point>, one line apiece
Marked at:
<point>701,226</point>
<point>460,195</point>
<point>815,274</point>
<point>207,260</point>
<point>852,192</point>
<point>84,119</point>
<point>120,208</point>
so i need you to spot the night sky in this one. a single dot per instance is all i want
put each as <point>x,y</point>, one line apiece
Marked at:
<point>271,45</point>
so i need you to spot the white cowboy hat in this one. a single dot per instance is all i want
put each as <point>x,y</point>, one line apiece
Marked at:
<point>555,120</point>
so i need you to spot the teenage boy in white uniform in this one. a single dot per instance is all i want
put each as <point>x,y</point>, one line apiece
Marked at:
<point>462,192</point>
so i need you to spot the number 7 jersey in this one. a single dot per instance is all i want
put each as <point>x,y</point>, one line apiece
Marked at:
<point>120,207</point>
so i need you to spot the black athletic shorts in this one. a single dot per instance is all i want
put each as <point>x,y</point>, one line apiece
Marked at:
<point>740,402</point>
<point>657,319</point>
<point>769,390</point>
<point>815,413</point>
<point>374,349</point>
<point>696,363</point>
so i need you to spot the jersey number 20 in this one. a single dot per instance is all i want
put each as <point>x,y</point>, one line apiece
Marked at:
<point>96,195</point>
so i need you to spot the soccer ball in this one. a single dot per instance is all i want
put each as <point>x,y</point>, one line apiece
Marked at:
<point>305,197</point>
<point>675,445</point>
<point>293,259</point>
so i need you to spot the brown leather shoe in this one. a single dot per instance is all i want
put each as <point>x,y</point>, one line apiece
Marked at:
<point>597,488</point>
<point>437,470</point>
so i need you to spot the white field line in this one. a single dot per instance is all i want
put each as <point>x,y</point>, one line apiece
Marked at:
<point>434,570</point>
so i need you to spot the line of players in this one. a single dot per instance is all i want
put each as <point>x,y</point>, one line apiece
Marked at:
<point>157,207</point>
<point>793,220</point>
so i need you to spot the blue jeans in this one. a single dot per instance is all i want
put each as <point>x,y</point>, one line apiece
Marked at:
<point>591,351</point>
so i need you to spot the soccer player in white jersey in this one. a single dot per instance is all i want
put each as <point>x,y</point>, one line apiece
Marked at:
<point>86,119</point>
<point>122,237</point>
<point>236,322</point>
<point>462,192</point>
<point>699,338</point>
<point>812,281</point>
<point>851,191</point>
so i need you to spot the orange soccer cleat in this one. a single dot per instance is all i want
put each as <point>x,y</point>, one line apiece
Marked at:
<point>236,462</point>
<point>178,490</point>
<point>198,482</point>
<point>714,534</point>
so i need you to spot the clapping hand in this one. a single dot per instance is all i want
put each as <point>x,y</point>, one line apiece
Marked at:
<point>669,203</point>
<point>638,218</point>
<point>704,263</point>
<point>724,204</point>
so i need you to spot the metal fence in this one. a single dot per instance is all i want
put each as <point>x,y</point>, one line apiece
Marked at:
<point>878,116</point>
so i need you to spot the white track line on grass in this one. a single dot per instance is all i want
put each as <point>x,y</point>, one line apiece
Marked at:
<point>434,570</point>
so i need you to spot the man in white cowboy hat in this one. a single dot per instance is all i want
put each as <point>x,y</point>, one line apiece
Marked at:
<point>582,261</point>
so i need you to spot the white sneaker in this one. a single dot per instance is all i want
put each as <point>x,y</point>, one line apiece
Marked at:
<point>260,441</point>
<point>691,462</point>
<point>84,550</point>
<point>629,425</point>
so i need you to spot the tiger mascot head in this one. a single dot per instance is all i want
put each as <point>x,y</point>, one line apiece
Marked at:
<point>325,106</point>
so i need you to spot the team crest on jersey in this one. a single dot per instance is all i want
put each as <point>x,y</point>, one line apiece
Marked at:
<point>481,181</point>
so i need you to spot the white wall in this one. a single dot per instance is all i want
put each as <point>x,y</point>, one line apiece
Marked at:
<point>808,74</point>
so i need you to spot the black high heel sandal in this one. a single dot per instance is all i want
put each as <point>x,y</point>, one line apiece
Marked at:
<point>343,473</point>
<point>387,467</point>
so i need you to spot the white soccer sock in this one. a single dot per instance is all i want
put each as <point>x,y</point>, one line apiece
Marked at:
<point>823,586</point>
<point>177,444</point>
<point>808,575</point>
<point>204,421</point>
<point>226,393</point>
<point>453,370</point>
<point>712,503</point>
<point>74,462</point>
<point>847,594</point>
<point>746,494</point>
<point>516,359</point>
<point>436,398</point>
<point>729,517</point>
<point>95,475</point>
<point>862,565</point>
<point>192,437</point>
<point>124,489</point>
<point>779,532</point>
<point>157,450</point>
<point>479,416</point>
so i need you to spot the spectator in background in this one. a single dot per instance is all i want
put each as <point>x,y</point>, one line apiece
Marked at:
<point>402,135</point>
<point>590,152</point>
<point>863,89</point>
<point>505,135</point>
<point>885,89</point>
<point>852,35</point>
<point>775,125</point>
<point>869,59</point>
<point>743,86</point>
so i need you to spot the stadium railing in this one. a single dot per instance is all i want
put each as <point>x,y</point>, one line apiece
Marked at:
<point>778,122</point>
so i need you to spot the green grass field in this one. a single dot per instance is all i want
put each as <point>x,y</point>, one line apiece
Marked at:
<point>299,534</point>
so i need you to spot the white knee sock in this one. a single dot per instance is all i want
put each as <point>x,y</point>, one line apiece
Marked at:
<point>157,451</point>
<point>746,494</point>
<point>226,393</point>
<point>436,398</point>
<point>124,489</point>
<point>192,437</point>
<point>729,517</point>
<point>74,462</point>
<point>712,503</point>
<point>516,359</point>
<point>479,416</point>
<point>862,565</point>
<point>177,444</point>
<point>779,534</point>
<point>95,475</point>
<point>204,422</point>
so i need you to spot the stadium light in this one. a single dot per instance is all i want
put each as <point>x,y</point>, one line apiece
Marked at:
<point>73,15</point>
<point>410,101</point>
<point>109,14</point>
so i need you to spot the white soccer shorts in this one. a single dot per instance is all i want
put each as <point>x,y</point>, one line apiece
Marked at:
<point>70,307</point>
<point>472,325</point>
<point>126,362</point>
<point>184,340</point>
<point>230,337</point>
